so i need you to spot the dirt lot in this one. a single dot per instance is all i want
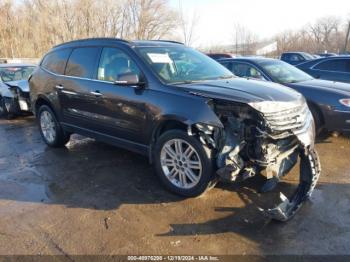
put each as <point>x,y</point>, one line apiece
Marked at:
<point>91,198</point>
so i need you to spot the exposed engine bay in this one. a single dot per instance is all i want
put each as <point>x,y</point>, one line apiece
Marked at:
<point>265,136</point>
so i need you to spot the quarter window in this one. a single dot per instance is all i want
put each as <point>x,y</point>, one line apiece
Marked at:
<point>82,62</point>
<point>114,63</point>
<point>339,65</point>
<point>56,61</point>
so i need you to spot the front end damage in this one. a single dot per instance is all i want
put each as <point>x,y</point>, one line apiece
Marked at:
<point>268,136</point>
<point>16,96</point>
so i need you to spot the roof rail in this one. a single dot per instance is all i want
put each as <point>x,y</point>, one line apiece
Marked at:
<point>94,38</point>
<point>168,41</point>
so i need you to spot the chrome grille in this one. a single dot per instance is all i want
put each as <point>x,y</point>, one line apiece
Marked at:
<point>288,120</point>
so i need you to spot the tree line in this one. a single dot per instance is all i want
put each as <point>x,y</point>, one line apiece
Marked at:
<point>326,34</point>
<point>29,28</point>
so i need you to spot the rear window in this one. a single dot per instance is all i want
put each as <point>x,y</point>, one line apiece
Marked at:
<point>13,73</point>
<point>82,62</point>
<point>56,61</point>
<point>339,65</point>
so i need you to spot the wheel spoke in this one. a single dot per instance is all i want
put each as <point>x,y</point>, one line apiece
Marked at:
<point>188,152</point>
<point>182,177</point>
<point>173,173</point>
<point>193,164</point>
<point>191,176</point>
<point>178,147</point>
<point>170,151</point>
<point>168,162</point>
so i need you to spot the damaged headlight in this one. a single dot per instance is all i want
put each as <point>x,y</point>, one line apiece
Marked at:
<point>268,107</point>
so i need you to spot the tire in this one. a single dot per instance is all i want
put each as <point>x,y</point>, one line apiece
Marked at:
<point>319,128</point>
<point>50,129</point>
<point>4,113</point>
<point>200,162</point>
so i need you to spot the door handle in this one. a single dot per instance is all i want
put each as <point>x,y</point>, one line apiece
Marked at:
<point>59,87</point>
<point>96,93</point>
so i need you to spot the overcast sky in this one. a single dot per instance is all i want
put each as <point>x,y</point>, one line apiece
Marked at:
<point>264,17</point>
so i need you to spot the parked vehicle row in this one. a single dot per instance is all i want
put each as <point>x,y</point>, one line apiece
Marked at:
<point>333,68</point>
<point>194,119</point>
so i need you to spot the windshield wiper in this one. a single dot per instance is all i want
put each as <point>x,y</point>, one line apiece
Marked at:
<point>225,77</point>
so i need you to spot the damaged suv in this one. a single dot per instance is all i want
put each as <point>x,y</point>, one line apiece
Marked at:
<point>192,117</point>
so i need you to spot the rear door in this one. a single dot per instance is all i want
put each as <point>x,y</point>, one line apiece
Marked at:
<point>76,85</point>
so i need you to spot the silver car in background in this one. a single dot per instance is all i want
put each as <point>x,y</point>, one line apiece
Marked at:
<point>14,89</point>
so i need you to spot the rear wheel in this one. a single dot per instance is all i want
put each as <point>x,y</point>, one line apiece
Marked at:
<point>50,129</point>
<point>183,164</point>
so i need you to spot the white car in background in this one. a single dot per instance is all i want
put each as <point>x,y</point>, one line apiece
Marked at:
<point>14,89</point>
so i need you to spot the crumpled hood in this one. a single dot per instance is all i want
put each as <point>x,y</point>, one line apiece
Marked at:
<point>22,84</point>
<point>341,88</point>
<point>243,90</point>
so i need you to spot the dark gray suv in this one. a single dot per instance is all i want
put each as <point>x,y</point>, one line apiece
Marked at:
<point>192,117</point>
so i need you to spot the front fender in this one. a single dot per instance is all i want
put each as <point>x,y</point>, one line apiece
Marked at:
<point>5,91</point>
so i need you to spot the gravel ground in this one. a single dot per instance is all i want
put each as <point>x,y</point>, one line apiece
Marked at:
<point>91,198</point>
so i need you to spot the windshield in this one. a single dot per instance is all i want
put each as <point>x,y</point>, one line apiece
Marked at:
<point>309,56</point>
<point>15,73</point>
<point>282,72</point>
<point>182,65</point>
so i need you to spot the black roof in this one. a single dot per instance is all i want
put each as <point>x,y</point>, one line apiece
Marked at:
<point>254,59</point>
<point>98,41</point>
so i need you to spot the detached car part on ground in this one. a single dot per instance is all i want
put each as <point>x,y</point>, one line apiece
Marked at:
<point>194,119</point>
<point>14,89</point>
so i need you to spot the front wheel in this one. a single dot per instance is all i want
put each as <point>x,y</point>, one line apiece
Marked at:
<point>50,129</point>
<point>183,164</point>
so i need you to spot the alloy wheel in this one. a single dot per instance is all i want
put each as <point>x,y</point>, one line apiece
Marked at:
<point>48,126</point>
<point>181,163</point>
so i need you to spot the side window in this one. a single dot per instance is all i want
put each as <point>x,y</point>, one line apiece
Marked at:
<point>339,65</point>
<point>246,70</point>
<point>82,62</point>
<point>56,61</point>
<point>296,58</point>
<point>285,57</point>
<point>228,65</point>
<point>115,63</point>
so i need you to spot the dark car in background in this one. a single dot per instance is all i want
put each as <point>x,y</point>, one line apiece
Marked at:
<point>14,89</point>
<point>191,116</point>
<point>217,56</point>
<point>295,58</point>
<point>328,101</point>
<point>326,54</point>
<point>334,68</point>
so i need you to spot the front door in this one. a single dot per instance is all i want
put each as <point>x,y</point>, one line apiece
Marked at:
<point>118,109</point>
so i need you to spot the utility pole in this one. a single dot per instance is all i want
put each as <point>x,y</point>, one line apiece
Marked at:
<point>347,37</point>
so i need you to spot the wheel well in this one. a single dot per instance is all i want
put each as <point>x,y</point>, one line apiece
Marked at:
<point>169,125</point>
<point>39,103</point>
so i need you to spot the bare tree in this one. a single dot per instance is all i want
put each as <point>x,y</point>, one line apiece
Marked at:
<point>188,24</point>
<point>31,27</point>
<point>244,40</point>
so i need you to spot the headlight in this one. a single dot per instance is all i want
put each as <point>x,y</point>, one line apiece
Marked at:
<point>345,102</point>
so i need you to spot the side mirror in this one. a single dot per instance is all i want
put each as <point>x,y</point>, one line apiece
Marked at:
<point>129,79</point>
